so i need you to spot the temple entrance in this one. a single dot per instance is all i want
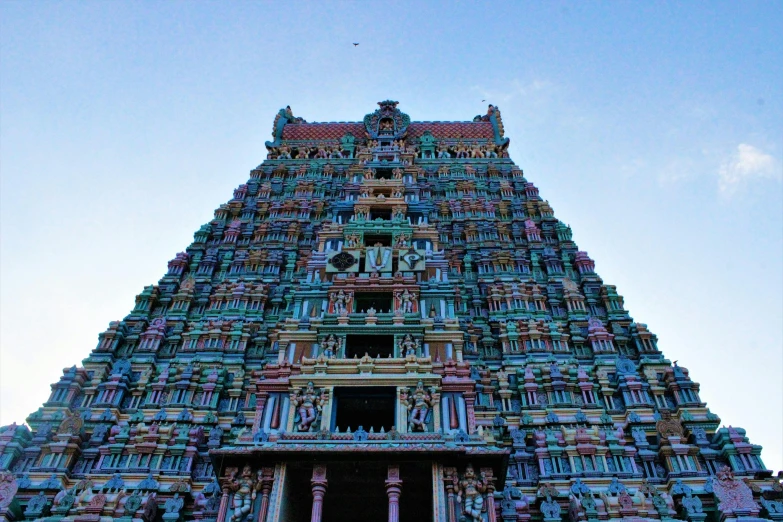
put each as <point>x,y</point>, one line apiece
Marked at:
<point>356,493</point>
<point>416,497</point>
<point>297,505</point>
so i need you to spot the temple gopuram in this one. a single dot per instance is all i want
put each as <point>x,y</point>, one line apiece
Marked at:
<point>386,322</point>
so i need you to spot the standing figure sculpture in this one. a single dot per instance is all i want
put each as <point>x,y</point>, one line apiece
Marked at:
<point>244,494</point>
<point>339,302</point>
<point>405,299</point>
<point>408,346</point>
<point>469,493</point>
<point>330,346</point>
<point>309,404</point>
<point>419,404</point>
<point>351,241</point>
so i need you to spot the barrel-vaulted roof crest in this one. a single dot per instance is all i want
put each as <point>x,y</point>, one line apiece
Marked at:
<point>387,120</point>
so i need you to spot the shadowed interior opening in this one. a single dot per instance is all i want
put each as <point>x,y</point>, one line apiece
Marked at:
<point>373,345</point>
<point>368,407</point>
<point>380,301</point>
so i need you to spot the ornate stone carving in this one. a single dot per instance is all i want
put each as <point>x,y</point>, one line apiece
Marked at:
<point>734,496</point>
<point>669,427</point>
<point>244,488</point>
<point>409,347</point>
<point>71,424</point>
<point>308,404</point>
<point>8,489</point>
<point>419,405</point>
<point>470,494</point>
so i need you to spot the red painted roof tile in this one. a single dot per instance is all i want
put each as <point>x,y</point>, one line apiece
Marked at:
<point>322,131</point>
<point>334,131</point>
<point>457,129</point>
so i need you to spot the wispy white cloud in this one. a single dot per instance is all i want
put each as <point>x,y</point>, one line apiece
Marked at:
<point>743,166</point>
<point>516,90</point>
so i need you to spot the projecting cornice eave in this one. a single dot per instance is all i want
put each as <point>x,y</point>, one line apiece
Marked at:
<point>480,456</point>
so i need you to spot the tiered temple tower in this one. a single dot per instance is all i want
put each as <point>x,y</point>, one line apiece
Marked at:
<point>386,322</point>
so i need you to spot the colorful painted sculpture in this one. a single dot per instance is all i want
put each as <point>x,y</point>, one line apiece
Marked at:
<point>383,305</point>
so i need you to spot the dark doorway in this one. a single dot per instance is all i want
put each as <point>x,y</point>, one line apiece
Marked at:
<point>373,239</point>
<point>384,173</point>
<point>380,301</point>
<point>383,213</point>
<point>297,502</point>
<point>365,407</point>
<point>416,498</point>
<point>356,493</point>
<point>373,345</point>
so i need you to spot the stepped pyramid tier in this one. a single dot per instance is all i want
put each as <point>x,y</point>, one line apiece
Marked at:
<point>385,322</point>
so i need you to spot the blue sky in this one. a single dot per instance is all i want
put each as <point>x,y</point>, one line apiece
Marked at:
<point>655,130</point>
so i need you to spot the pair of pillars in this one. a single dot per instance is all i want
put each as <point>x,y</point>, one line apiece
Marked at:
<point>393,491</point>
<point>451,482</point>
<point>266,480</point>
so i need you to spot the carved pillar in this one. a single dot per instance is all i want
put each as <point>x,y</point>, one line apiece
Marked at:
<point>223,505</point>
<point>489,480</point>
<point>226,482</point>
<point>450,481</point>
<point>470,400</point>
<point>318,483</point>
<point>267,479</point>
<point>393,490</point>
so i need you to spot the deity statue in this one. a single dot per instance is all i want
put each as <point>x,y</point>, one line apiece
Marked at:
<point>409,346</point>
<point>331,346</point>
<point>405,298</point>
<point>419,404</point>
<point>284,152</point>
<point>341,301</point>
<point>470,489</point>
<point>462,150</point>
<point>402,240</point>
<point>309,404</point>
<point>244,494</point>
<point>443,151</point>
